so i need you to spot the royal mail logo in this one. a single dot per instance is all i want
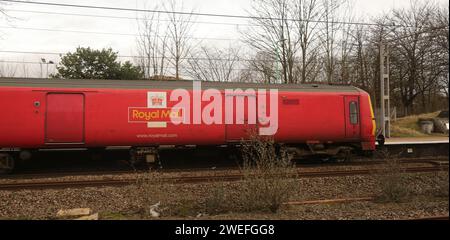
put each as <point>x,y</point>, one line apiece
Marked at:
<point>156,114</point>
<point>153,115</point>
<point>211,106</point>
<point>156,100</point>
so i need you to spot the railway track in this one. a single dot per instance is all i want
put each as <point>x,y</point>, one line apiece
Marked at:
<point>300,164</point>
<point>446,217</point>
<point>329,201</point>
<point>194,179</point>
<point>36,175</point>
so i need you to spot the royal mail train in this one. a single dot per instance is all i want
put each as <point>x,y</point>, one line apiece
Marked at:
<point>143,115</point>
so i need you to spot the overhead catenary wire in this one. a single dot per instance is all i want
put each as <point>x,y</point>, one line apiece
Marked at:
<point>124,17</point>
<point>134,34</point>
<point>237,59</point>
<point>200,58</point>
<point>167,67</point>
<point>142,18</point>
<point>389,27</point>
<point>200,14</point>
<point>232,59</point>
<point>143,57</point>
<point>237,25</point>
<point>418,33</point>
<point>188,58</point>
<point>162,36</point>
<point>24,62</point>
<point>210,59</point>
<point>114,33</point>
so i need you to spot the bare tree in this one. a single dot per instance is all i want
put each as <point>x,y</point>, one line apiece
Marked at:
<point>439,19</point>
<point>261,68</point>
<point>152,46</point>
<point>332,24</point>
<point>8,70</point>
<point>359,65</point>
<point>346,44</point>
<point>273,32</point>
<point>25,71</point>
<point>179,29</point>
<point>305,12</point>
<point>359,56</point>
<point>311,41</point>
<point>213,64</point>
<point>413,53</point>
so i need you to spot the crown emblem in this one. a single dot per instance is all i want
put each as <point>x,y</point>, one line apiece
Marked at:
<point>157,101</point>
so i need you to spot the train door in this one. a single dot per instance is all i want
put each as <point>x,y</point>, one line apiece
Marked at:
<point>64,121</point>
<point>352,120</point>
<point>235,131</point>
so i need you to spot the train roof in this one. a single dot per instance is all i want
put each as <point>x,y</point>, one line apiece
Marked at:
<point>166,84</point>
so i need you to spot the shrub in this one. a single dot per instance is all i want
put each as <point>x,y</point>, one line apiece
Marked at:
<point>218,202</point>
<point>392,183</point>
<point>269,176</point>
<point>442,183</point>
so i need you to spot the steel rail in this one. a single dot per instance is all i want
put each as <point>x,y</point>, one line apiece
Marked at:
<point>198,179</point>
<point>33,174</point>
<point>445,217</point>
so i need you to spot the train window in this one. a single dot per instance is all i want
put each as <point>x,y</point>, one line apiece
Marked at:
<point>353,113</point>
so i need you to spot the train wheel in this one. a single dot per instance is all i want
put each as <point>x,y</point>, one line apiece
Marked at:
<point>24,157</point>
<point>7,163</point>
<point>381,139</point>
<point>343,156</point>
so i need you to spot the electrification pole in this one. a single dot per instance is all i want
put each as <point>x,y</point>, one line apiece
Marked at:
<point>385,110</point>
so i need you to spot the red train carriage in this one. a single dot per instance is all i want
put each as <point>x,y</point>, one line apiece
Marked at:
<point>142,115</point>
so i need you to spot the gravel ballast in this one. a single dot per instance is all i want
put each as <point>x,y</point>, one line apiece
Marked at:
<point>184,201</point>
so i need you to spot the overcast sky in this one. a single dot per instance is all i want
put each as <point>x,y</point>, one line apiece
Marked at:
<point>15,38</point>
